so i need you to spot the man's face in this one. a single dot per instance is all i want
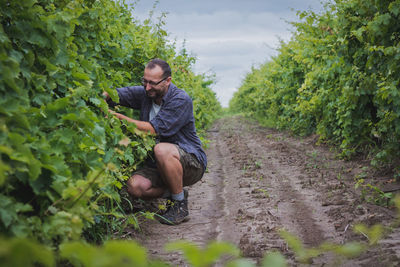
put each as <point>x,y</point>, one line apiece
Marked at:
<point>155,83</point>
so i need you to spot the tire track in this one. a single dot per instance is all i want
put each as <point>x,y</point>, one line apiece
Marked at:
<point>298,209</point>
<point>249,222</point>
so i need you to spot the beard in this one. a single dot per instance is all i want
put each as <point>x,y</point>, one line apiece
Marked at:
<point>155,94</point>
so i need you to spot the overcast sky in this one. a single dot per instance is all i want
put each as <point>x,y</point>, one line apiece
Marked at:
<point>227,37</point>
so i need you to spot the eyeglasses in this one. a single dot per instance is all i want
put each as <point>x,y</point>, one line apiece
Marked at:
<point>145,82</point>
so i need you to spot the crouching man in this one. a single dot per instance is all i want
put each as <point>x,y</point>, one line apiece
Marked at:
<point>180,160</point>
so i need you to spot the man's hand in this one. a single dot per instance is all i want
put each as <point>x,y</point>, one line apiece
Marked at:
<point>141,125</point>
<point>118,115</point>
<point>106,96</point>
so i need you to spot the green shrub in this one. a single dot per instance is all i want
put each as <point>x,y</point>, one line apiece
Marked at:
<point>62,162</point>
<point>338,77</point>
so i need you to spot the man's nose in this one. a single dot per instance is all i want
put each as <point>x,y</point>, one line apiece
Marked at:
<point>148,87</point>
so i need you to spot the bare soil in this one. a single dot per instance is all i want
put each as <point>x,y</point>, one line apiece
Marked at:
<point>260,180</point>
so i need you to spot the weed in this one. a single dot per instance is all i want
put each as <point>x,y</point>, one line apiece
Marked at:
<point>314,160</point>
<point>244,167</point>
<point>371,193</point>
<point>314,155</point>
<point>265,192</point>
<point>312,165</point>
<point>257,164</point>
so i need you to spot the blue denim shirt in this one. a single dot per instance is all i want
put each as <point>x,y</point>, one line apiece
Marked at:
<point>174,123</point>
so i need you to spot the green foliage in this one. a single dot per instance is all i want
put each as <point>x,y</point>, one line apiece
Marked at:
<point>120,253</point>
<point>23,252</point>
<point>397,204</point>
<point>215,251</point>
<point>373,234</point>
<point>274,259</point>
<point>62,162</point>
<point>348,250</point>
<point>129,253</point>
<point>337,77</point>
<point>373,194</point>
<point>203,257</point>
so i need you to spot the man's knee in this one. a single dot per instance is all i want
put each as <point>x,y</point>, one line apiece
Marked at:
<point>137,185</point>
<point>165,151</point>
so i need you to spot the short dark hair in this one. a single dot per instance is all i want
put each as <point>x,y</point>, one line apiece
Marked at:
<point>162,64</point>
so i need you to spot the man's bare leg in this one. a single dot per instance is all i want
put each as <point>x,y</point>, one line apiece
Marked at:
<point>141,187</point>
<point>170,169</point>
<point>169,166</point>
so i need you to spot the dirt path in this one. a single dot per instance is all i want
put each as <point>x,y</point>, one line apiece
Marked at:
<point>259,181</point>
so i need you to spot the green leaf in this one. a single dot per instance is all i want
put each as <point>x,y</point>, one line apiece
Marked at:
<point>6,217</point>
<point>126,251</point>
<point>394,7</point>
<point>350,250</point>
<point>198,257</point>
<point>58,104</point>
<point>70,117</point>
<point>4,168</point>
<point>293,242</point>
<point>64,225</point>
<point>9,75</point>
<point>274,259</point>
<point>40,184</point>
<point>35,168</point>
<point>216,249</point>
<point>36,37</point>
<point>22,121</point>
<point>95,101</point>
<point>79,253</point>
<point>80,76</point>
<point>373,233</point>
<point>191,252</point>
<point>113,253</point>
<point>33,253</point>
<point>240,263</point>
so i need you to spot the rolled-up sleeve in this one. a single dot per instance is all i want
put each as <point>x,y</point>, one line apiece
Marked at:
<point>173,116</point>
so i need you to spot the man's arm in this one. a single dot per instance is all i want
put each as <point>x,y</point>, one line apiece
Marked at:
<point>141,125</point>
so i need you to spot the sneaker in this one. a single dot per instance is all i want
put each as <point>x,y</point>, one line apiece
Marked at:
<point>186,193</point>
<point>177,211</point>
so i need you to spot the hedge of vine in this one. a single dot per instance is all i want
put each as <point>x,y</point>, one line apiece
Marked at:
<point>62,161</point>
<point>339,77</point>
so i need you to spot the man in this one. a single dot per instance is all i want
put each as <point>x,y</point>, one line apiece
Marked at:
<point>180,160</point>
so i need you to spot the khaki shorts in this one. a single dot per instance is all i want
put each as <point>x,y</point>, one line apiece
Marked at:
<point>192,170</point>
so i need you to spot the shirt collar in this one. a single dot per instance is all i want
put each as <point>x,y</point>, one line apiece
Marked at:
<point>169,93</point>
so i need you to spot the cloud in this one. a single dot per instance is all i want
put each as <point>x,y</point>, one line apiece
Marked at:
<point>212,6</point>
<point>226,23</point>
<point>228,43</point>
<point>228,37</point>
